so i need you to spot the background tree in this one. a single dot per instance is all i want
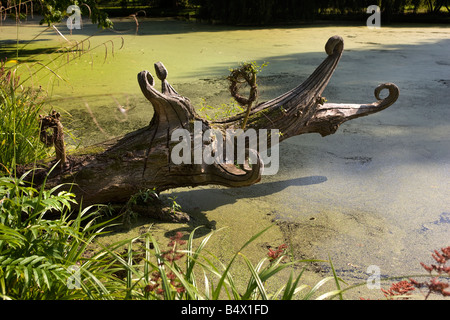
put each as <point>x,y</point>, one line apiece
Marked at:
<point>268,11</point>
<point>55,10</point>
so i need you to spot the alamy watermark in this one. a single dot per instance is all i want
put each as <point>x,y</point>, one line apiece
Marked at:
<point>374,21</point>
<point>373,281</point>
<point>74,20</point>
<point>208,147</point>
<point>74,281</point>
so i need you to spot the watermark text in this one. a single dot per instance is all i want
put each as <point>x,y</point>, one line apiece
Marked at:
<point>74,20</point>
<point>374,21</point>
<point>212,146</point>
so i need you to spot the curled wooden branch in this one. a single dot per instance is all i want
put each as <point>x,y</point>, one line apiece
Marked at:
<point>245,73</point>
<point>329,116</point>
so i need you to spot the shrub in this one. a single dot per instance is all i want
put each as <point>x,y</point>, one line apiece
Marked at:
<point>38,255</point>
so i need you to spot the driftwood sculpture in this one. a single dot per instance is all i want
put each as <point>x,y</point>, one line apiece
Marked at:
<point>115,170</point>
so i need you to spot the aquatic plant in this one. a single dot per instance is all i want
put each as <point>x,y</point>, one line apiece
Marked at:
<point>436,285</point>
<point>405,289</point>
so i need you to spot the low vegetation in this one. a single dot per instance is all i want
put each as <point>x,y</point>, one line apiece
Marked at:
<point>61,258</point>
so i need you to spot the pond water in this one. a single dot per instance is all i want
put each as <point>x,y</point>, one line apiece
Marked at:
<point>375,193</point>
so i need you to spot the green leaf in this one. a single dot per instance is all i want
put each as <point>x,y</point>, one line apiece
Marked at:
<point>336,279</point>
<point>316,287</point>
<point>290,286</point>
<point>190,262</point>
<point>330,294</point>
<point>191,290</point>
<point>13,237</point>
<point>162,271</point>
<point>256,279</point>
<point>32,260</point>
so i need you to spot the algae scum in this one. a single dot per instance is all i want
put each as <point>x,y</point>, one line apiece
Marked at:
<point>374,193</point>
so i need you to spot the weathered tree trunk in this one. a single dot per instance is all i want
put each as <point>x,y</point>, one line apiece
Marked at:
<point>114,170</point>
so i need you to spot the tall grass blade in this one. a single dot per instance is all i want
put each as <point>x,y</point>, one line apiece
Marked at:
<point>256,279</point>
<point>162,271</point>
<point>330,294</point>
<point>316,287</point>
<point>291,288</point>
<point>193,256</point>
<point>207,285</point>
<point>129,272</point>
<point>147,263</point>
<point>192,292</point>
<point>336,279</point>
